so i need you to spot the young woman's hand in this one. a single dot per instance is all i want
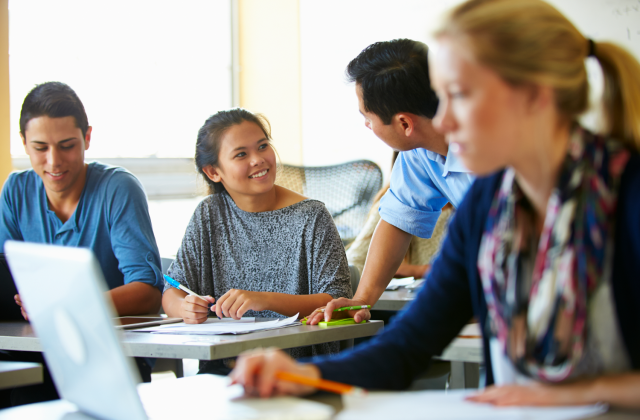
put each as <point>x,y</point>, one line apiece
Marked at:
<point>22,310</point>
<point>256,371</point>
<point>530,395</point>
<point>235,303</point>
<point>194,310</point>
<point>328,313</point>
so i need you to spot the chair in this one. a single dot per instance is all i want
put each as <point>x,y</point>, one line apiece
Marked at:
<point>347,190</point>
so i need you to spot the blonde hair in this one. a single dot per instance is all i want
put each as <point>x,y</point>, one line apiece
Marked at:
<point>530,42</point>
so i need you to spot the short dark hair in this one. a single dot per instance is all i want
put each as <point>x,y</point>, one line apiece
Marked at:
<point>210,136</point>
<point>54,100</point>
<point>394,77</point>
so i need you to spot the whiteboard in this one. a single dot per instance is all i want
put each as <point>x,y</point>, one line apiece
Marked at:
<point>333,32</point>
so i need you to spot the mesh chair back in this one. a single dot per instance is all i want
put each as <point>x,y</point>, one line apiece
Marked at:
<point>347,190</point>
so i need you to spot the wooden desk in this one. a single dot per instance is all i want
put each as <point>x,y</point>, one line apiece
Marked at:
<point>14,374</point>
<point>18,335</point>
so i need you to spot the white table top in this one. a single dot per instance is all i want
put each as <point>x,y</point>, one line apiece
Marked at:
<point>221,403</point>
<point>14,374</point>
<point>18,335</point>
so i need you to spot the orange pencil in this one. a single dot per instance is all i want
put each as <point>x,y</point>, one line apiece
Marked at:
<point>323,384</point>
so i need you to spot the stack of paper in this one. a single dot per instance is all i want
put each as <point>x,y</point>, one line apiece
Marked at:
<point>225,326</point>
<point>395,284</point>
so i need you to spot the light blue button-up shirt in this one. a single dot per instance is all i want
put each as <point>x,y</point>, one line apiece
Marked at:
<point>422,182</point>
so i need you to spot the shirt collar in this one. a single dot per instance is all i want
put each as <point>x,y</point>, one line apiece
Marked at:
<point>450,164</point>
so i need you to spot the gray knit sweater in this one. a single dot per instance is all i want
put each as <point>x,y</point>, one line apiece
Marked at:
<point>293,250</point>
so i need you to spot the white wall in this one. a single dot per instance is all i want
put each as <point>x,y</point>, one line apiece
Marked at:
<point>333,32</point>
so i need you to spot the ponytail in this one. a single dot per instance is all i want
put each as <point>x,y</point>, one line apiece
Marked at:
<point>621,97</point>
<point>531,42</point>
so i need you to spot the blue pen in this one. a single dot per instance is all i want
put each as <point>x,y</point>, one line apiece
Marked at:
<point>177,285</point>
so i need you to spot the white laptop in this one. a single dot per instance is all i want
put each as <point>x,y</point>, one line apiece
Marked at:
<point>64,292</point>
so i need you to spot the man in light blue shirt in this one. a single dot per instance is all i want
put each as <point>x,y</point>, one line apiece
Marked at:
<point>65,201</point>
<point>395,98</point>
<point>422,182</point>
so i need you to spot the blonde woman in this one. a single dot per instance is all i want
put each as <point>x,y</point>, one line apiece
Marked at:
<point>545,248</point>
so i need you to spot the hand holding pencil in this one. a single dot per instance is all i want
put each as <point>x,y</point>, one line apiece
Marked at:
<point>257,371</point>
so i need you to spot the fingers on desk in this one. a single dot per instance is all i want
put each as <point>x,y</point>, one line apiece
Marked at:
<point>315,317</point>
<point>22,310</point>
<point>235,303</point>
<point>333,305</point>
<point>360,315</point>
<point>517,395</point>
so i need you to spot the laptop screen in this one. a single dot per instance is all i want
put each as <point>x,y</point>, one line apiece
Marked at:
<point>9,310</point>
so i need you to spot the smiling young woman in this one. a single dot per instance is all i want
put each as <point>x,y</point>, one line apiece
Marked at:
<point>252,247</point>
<point>545,248</point>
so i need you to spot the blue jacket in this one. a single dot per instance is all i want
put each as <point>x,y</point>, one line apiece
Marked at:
<point>453,294</point>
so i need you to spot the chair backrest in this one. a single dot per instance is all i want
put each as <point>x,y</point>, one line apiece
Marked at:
<point>347,190</point>
<point>166,262</point>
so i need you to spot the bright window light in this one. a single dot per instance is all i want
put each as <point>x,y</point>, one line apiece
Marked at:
<point>149,72</point>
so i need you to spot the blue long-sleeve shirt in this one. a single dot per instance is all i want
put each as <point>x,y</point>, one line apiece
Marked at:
<point>453,294</point>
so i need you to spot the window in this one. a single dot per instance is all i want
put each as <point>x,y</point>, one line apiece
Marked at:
<point>149,72</point>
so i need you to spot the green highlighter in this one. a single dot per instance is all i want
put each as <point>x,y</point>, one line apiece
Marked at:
<point>343,321</point>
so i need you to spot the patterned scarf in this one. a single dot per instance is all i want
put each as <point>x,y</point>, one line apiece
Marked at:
<point>537,289</point>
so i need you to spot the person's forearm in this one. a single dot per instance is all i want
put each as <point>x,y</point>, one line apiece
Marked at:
<point>290,305</point>
<point>172,301</point>
<point>386,252</point>
<point>618,390</point>
<point>411,270</point>
<point>136,298</point>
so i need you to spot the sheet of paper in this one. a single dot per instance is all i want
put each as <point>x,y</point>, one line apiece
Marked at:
<point>215,327</point>
<point>471,330</point>
<point>395,283</point>
<point>230,320</point>
<point>211,397</point>
<point>415,285</point>
<point>449,405</point>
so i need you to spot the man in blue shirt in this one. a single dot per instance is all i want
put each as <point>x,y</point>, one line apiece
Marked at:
<point>65,201</point>
<point>395,97</point>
